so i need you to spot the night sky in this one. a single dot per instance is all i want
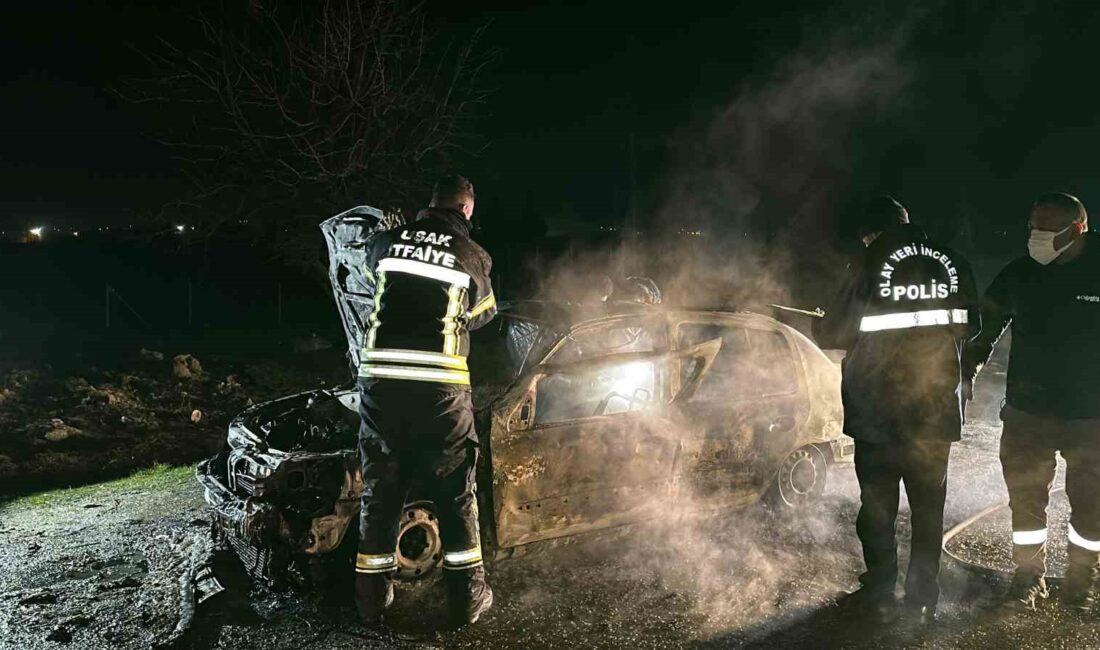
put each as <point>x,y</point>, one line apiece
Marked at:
<point>970,107</point>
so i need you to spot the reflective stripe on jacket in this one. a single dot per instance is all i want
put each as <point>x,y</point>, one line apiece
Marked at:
<point>903,313</point>
<point>431,288</point>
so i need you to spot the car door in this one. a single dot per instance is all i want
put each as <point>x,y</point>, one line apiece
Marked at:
<point>588,444</point>
<point>747,411</point>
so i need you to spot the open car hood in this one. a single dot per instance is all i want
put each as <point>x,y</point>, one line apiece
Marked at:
<point>347,235</point>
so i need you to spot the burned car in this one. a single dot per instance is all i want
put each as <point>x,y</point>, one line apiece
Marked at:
<point>590,417</point>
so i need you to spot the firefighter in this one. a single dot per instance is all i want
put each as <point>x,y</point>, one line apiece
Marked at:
<point>903,314</point>
<point>636,289</point>
<point>1051,299</point>
<point>431,287</point>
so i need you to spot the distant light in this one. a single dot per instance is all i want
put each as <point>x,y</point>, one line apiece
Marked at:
<point>181,228</point>
<point>76,234</point>
<point>37,232</point>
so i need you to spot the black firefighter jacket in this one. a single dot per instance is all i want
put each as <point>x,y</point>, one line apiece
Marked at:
<point>1054,311</point>
<point>431,287</point>
<point>903,314</point>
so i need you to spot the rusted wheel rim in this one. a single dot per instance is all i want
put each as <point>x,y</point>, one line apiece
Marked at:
<point>419,549</point>
<point>802,476</point>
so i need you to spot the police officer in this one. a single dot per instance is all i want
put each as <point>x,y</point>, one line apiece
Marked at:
<point>431,286</point>
<point>903,314</point>
<point>1051,299</point>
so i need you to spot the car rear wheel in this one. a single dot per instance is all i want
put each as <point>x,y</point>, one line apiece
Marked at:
<point>419,548</point>
<point>800,480</point>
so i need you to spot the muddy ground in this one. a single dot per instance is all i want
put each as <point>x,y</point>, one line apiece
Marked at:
<point>100,567</point>
<point>63,426</point>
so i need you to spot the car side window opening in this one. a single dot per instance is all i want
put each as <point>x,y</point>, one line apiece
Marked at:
<point>779,373</point>
<point>609,390</point>
<point>751,363</point>
<point>618,337</point>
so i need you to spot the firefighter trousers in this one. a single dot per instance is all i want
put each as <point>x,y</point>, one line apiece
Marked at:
<point>416,439</point>
<point>1028,445</point>
<point>881,469</point>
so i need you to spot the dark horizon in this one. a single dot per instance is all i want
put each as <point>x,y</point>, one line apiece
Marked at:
<point>970,110</point>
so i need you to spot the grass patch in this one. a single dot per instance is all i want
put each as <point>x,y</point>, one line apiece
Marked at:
<point>154,477</point>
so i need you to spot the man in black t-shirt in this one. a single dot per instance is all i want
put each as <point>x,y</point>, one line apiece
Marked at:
<point>1051,299</point>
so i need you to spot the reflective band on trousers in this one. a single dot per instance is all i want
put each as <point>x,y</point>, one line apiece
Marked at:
<point>381,563</point>
<point>412,356</point>
<point>424,270</point>
<point>462,559</point>
<point>911,319</point>
<point>415,374</point>
<point>1029,537</point>
<point>1087,544</point>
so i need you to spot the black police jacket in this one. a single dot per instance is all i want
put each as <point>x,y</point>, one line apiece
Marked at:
<point>1054,312</point>
<point>903,314</point>
<point>431,287</point>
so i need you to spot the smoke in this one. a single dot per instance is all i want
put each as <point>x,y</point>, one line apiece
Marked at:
<point>779,150</point>
<point>739,569</point>
<point>750,198</point>
<point>753,190</point>
<point>773,168</point>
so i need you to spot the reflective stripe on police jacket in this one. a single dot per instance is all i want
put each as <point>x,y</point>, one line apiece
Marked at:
<point>911,319</point>
<point>915,284</point>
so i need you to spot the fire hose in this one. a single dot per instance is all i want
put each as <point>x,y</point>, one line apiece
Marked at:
<point>962,526</point>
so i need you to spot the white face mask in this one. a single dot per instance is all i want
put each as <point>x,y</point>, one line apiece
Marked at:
<point>1041,245</point>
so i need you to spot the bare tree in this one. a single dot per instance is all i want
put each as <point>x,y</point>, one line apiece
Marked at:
<point>286,113</point>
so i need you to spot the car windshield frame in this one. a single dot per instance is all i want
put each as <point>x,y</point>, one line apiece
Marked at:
<point>662,342</point>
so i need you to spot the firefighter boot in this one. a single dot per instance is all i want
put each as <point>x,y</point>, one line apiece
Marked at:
<point>876,606</point>
<point>1079,590</point>
<point>468,594</point>
<point>373,594</point>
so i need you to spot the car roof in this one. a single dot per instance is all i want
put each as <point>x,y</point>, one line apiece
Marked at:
<point>566,316</point>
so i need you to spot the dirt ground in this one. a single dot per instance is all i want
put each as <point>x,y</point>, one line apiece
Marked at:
<point>67,426</point>
<point>104,566</point>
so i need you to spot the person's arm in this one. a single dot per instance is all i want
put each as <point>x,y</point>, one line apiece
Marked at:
<point>968,299</point>
<point>483,304</point>
<point>839,328</point>
<point>375,248</point>
<point>996,316</point>
<point>378,245</point>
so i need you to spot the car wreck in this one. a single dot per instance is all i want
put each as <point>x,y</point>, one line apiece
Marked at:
<point>590,417</point>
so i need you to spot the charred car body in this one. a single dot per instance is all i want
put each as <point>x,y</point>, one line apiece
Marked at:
<point>590,417</point>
